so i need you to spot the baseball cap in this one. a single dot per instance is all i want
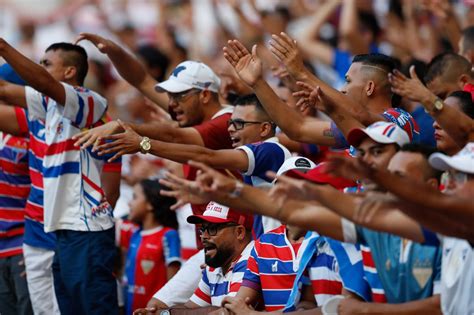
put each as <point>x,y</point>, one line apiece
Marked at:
<point>319,176</point>
<point>381,132</point>
<point>217,213</point>
<point>405,121</point>
<point>190,75</point>
<point>463,161</point>
<point>7,73</point>
<point>297,163</point>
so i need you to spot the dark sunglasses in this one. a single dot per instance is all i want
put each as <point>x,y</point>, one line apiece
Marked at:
<point>212,229</point>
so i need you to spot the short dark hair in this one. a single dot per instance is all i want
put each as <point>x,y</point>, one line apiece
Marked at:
<point>384,63</point>
<point>447,64</point>
<point>465,102</point>
<point>75,56</point>
<point>467,36</point>
<point>425,151</point>
<point>161,204</point>
<point>252,99</point>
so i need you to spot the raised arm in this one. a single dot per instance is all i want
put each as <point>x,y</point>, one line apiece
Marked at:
<point>310,44</point>
<point>33,74</point>
<point>457,124</point>
<point>129,67</point>
<point>349,28</point>
<point>293,123</point>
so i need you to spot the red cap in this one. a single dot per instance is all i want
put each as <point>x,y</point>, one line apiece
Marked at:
<point>217,213</point>
<point>318,176</point>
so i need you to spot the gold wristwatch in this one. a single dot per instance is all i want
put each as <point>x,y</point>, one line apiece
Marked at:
<point>145,145</point>
<point>438,105</point>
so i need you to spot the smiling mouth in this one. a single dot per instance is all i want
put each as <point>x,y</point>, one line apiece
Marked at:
<point>235,141</point>
<point>209,249</point>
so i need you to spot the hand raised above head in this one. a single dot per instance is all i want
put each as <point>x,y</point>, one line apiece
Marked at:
<point>103,44</point>
<point>411,88</point>
<point>284,48</point>
<point>247,65</point>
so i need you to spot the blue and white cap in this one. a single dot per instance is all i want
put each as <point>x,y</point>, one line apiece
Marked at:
<point>190,75</point>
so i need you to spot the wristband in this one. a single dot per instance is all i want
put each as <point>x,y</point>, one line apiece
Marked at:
<point>237,190</point>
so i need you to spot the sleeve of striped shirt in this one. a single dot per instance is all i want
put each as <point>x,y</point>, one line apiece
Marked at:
<point>172,247</point>
<point>37,104</point>
<point>325,281</point>
<point>252,274</point>
<point>237,277</point>
<point>202,295</point>
<point>20,114</point>
<point>83,107</point>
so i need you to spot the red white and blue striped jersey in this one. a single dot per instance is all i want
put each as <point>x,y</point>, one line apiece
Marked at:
<point>214,285</point>
<point>73,197</point>
<point>273,266</point>
<point>262,157</point>
<point>14,190</point>
<point>149,254</point>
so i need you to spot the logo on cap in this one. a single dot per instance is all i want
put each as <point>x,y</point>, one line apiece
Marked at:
<point>177,70</point>
<point>302,163</point>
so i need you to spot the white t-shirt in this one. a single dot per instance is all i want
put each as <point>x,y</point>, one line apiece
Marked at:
<point>457,276</point>
<point>73,197</point>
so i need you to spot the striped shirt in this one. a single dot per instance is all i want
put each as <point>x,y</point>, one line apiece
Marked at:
<point>73,197</point>
<point>214,285</point>
<point>14,190</point>
<point>273,266</point>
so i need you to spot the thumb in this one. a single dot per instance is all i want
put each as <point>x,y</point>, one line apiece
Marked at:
<point>254,52</point>
<point>413,74</point>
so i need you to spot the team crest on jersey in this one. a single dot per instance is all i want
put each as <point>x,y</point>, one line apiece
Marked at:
<point>147,265</point>
<point>422,271</point>
<point>60,128</point>
<point>275,267</point>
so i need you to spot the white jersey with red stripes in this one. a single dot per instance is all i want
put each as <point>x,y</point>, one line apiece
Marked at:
<point>73,197</point>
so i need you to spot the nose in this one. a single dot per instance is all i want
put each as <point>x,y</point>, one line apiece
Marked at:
<point>436,125</point>
<point>367,158</point>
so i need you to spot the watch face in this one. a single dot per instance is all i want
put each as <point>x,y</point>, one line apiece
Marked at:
<point>146,146</point>
<point>438,104</point>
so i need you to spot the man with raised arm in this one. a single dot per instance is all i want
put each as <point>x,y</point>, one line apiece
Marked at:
<point>365,98</point>
<point>75,205</point>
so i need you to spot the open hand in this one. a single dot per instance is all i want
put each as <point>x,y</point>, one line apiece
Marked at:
<point>411,88</point>
<point>127,142</point>
<point>95,135</point>
<point>183,190</point>
<point>211,181</point>
<point>104,45</point>
<point>284,48</point>
<point>248,66</point>
<point>288,188</point>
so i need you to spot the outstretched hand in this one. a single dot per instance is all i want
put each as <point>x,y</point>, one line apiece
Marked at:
<point>95,135</point>
<point>310,96</point>
<point>284,48</point>
<point>183,190</point>
<point>247,65</point>
<point>411,88</point>
<point>127,142</point>
<point>211,181</point>
<point>103,44</point>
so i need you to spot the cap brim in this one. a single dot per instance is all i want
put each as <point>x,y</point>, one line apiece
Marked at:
<point>172,86</point>
<point>356,136</point>
<point>198,219</point>
<point>443,162</point>
<point>318,176</point>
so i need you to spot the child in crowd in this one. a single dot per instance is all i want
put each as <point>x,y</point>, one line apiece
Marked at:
<point>154,248</point>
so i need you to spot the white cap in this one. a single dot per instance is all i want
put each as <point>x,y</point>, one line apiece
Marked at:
<point>381,132</point>
<point>190,75</point>
<point>297,163</point>
<point>463,161</point>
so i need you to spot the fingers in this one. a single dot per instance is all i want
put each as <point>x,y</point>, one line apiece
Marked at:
<point>413,74</point>
<point>230,55</point>
<point>240,49</point>
<point>85,139</point>
<point>277,45</point>
<point>289,41</point>
<point>117,155</point>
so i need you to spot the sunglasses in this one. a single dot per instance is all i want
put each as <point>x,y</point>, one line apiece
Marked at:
<point>180,97</point>
<point>212,229</point>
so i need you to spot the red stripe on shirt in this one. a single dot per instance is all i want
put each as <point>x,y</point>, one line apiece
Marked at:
<point>367,258</point>
<point>15,191</point>
<point>93,185</point>
<point>22,120</point>
<point>203,296</point>
<point>90,114</point>
<point>14,168</point>
<point>7,214</point>
<point>61,147</point>
<point>326,286</point>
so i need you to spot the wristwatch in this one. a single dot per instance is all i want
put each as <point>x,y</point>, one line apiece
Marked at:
<point>438,105</point>
<point>145,145</point>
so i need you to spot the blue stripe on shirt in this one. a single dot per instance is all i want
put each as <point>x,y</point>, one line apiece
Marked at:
<point>65,168</point>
